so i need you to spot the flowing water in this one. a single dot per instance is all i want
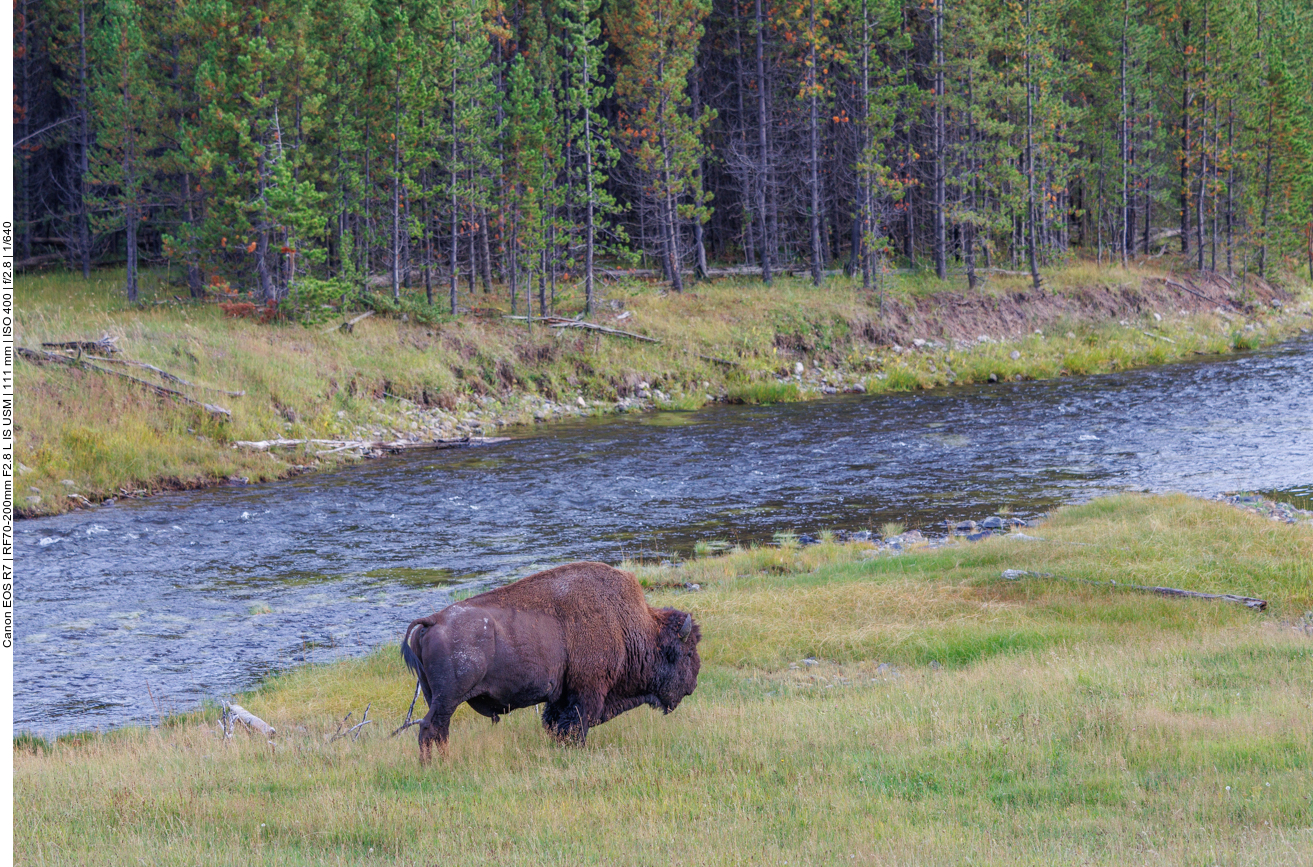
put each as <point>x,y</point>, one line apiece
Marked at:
<point>165,602</point>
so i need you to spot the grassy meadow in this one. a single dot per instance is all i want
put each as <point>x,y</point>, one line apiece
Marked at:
<point>411,372</point>
<point>854,707</point>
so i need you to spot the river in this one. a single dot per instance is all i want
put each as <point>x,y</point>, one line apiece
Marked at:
<point>162,603</point>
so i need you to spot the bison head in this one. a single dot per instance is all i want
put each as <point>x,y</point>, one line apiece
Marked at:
<point>677,669</point>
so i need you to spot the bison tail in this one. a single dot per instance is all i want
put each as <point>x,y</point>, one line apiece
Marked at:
<point>414,632</point>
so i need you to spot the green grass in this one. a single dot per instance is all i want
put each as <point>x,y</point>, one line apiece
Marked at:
<point>766,392</point>
<point>84,436</point>
<point>946,715</point>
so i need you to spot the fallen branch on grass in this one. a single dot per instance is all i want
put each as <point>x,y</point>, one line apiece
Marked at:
<point>1157,336</point>
<point>562,322</point>
<point>164,374</point>
<point>593,326</point>
<point>342,445</point>
<point>1247,601</point>
<point>105,344</point>
<point>240,714</point>
<point>349,326</point>
<point>354,731</point>
<point>1185,288</point>
<point>410,712</point>
<point>39,357</point>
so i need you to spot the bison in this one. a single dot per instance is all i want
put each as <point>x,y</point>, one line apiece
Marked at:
<point>579,639</point>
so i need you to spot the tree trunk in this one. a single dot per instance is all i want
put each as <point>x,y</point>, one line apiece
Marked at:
<point>453,284</point>
<point>818,265</point>
<point>1185,143</point>
<point>1030,161</point>
<point>699,245</point>
<point>589,228</point>
<point>396,185</point>
<point>762,146</point>
<point>941,252</point>
<point>84,146</point>
<point>1127,230</point>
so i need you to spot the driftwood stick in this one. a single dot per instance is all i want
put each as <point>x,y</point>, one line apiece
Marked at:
<point>340,445</point>
<point>410,713</point>
<point>350,325</point>
<point>1185,288</point>
<point>105,344</point>
<point>1157,336</point>
<point>337,733</point>
<point>338,450</point>
<point>732,271</point>
<point>354,731</point>
<point>592,326</point>
<point>164,374</point>
<point>562,322</point>
<point>42,357</point>
<point>241,714</point>
<point>1247,601</point>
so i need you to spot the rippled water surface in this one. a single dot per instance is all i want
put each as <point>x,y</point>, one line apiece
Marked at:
<point>191,596</point>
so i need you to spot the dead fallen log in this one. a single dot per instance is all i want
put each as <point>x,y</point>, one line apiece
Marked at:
<point>164,374</point>
<point>1157,336</point>
<point>240,714</point>
<point>39,260</point>
<point>105,344</point>
<point>1193,292</point>
<point>1247,601</point>
<point>350,326</point>
<point>40,357</point>
<point>653,274</point>
<point>353,731</point>
<point>562,322</point>
<point>593,326</point>
<point>711,273</point>
<point>410,714</point>
<point>368,446</point>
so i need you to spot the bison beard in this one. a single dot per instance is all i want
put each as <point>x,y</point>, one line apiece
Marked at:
<point>579,639</point>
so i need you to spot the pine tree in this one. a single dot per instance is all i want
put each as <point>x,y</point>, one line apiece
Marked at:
<point>124,105</point>
<point>468,123</point>
<point>585,132</point>
<point>528,133</point>
<point>657,40</point>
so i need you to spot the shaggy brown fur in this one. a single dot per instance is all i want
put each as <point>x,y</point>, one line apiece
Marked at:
<point>579,639</point>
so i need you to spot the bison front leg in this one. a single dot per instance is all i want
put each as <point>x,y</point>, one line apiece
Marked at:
<point>569,717</point>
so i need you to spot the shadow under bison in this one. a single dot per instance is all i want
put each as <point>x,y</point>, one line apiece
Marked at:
<point>579,639</point>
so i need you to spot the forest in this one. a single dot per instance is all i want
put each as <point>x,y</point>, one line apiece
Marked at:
<point>299,151</point>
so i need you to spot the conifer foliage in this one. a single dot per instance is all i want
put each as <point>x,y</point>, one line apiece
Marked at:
<point>301,151</point>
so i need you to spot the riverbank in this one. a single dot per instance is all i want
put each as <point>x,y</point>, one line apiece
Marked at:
<point>854,706</point>
<point>84,436</point>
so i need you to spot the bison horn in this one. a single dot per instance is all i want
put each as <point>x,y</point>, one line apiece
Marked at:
<point>687,628</point>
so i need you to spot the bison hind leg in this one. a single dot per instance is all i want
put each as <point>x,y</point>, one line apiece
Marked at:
<point>433,729</point>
